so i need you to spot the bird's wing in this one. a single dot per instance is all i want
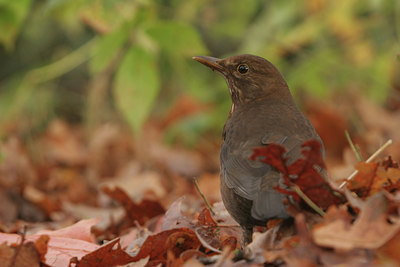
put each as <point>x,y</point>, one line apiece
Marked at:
<point>247,177</point>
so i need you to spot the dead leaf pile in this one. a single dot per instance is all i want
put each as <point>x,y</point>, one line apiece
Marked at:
<point>113,200</point>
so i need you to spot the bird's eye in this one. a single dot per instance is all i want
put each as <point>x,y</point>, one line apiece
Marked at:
<point>243,68</point>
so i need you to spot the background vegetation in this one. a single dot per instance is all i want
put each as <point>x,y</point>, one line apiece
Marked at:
<point>93,61</point>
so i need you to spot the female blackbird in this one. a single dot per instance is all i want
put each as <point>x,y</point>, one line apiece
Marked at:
<point>263,112</point>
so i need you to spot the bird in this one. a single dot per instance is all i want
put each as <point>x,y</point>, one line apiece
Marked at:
<point>263,112</point>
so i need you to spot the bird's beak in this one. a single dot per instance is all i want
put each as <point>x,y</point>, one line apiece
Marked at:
<point>211,62</point>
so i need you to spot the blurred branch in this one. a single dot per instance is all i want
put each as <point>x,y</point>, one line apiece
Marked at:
<point>353,147</point>
<point>62,66</point>
<point>306,199</point>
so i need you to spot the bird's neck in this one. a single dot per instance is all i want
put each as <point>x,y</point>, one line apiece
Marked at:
<point>282,97</point>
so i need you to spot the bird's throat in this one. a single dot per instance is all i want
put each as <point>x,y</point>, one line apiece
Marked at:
<point>236,94</point>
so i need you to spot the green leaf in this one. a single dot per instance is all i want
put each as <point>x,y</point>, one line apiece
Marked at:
<point>12,14</point>
<point>107,48</point>
<point>136,85</point>
<point>176,38</point>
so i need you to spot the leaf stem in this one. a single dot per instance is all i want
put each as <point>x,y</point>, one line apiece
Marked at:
<point>306,199</point>
<point>202,195</point>
<point>373,156</point>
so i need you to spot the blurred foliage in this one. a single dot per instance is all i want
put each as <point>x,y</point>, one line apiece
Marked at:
<point>85,59</point>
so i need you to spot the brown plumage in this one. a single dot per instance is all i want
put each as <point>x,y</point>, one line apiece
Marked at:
<point>263,112</point>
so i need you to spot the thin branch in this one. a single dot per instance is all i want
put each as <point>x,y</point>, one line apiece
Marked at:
<point>308,200</point>
<point>353,147</point>
<point>373,156</point>
<point>18,249</point>
<point>202,195</point>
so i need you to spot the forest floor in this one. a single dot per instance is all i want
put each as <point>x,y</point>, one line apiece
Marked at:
<point>112,199</point>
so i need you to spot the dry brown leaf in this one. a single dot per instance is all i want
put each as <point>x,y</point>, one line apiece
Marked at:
<point>174,218</point>
<point>371,230</point>
<point>63,144</point>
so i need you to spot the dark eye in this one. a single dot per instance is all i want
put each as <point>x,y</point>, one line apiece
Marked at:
<point>243,68</point>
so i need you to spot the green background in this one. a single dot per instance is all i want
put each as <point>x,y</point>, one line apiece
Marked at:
<point>91,62</point>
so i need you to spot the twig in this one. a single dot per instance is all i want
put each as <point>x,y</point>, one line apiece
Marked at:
<point>353,147</point>
<point>373,156</point>
<point>308,200</point>
<point>18,248</point>
<point>202,195</point>
<point>358,149</point>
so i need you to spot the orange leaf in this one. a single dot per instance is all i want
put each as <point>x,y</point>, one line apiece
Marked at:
<point>361,184</point>
<point>41,246</point>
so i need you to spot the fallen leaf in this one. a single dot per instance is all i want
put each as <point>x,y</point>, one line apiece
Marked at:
<point>176,240</point>
<point>373,177</point>
<point>371,229</point>
<point>41,246</point>
<point>62,245</point>
<point>390,251</point>
<point>141,212</point>
<point>25,255</point>
<point>109,254</point>
<point>174,218</point>
<point>80,230</point>
<point>363,181</point>
<point>62,144</point>
<point>205,218</point>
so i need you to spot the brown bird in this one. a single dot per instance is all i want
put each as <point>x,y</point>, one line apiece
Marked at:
<point>262,112</point>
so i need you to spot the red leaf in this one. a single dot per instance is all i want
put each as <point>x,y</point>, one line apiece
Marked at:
<point>273,155</point>
<point>314,154</point>
<point>302,173</point>
<point>176,240</point>
<point>205,218</point>
<point>141,212</point>
<point>109,254</point>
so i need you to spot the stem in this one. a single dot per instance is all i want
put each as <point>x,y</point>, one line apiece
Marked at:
<point>202,195</point>
<point>62,66</point>
<point>373,156</point>
<point>356,152</point>
<point>18,248</point>
<point>308,200</point>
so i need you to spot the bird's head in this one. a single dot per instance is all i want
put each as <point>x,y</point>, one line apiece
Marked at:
<point>249,77</point>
